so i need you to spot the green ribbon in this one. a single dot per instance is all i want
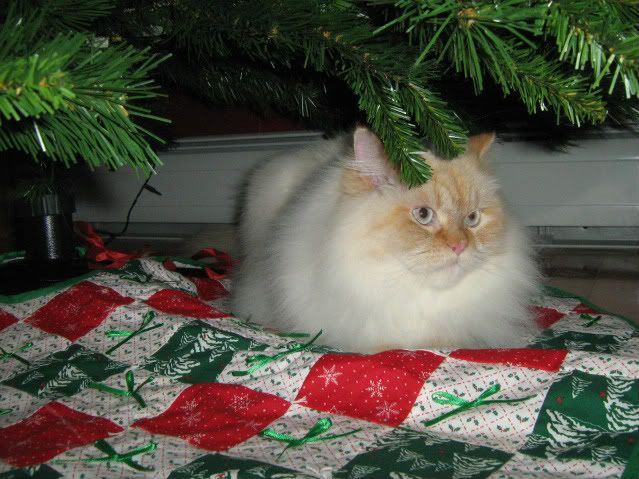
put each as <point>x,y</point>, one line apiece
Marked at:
<point>6,355</point>
<point>131,390</point>
<point>448,399</point>
<point>293,335</point>
<point>260,360</point>
<point>313,435</point>
<point>11,255</point>
<point>4,412</point>
<point>591,320</point>
<point>113,456</point>
<point>114,333</point>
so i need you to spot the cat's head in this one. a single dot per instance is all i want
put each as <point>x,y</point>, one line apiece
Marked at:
<point>439,231</point>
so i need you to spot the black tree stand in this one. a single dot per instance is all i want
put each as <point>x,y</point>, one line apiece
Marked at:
<point>44,227</point>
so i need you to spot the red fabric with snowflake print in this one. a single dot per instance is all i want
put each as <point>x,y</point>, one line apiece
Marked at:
<point>51,430</point>
<point>178,302</point>
<point>546,317</point>
<point>216,416</point>
<point>6,319</point>
<point>544,359</point>
<point>380,388</point>
<point>78,310</point>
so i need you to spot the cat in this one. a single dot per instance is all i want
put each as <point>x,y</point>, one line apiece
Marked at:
<point>331,240</point>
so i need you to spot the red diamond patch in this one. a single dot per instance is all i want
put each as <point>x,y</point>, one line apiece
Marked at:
<point>546,317</point>
<point>583,309</point>
<point>51,430</point>
<point>6,319</point>
<point>544,359</point>
<point>380,388</point>
<point>78,310</point>
<point>178,302</point>
<point>215,416</point>
<point>208,289</point>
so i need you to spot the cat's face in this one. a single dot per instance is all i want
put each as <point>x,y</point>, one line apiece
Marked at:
<point>439,231</point>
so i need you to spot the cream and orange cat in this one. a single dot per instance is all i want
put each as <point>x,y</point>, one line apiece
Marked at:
<point>333,241</point>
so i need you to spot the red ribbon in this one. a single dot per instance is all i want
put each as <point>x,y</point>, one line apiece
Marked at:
<point>99,253</point>
<point>223,261</point>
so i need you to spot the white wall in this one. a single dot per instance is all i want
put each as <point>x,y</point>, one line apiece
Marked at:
<point>594,183</point>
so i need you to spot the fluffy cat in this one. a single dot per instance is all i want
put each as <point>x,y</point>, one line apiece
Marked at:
<point>332,240</point>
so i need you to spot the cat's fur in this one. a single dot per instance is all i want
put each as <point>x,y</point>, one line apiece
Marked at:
<point>329,242</point>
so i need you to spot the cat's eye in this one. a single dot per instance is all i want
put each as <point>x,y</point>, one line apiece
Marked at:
<point>423,215</point>
<point>473,219</point>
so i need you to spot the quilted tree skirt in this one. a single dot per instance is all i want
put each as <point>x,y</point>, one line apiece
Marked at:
<point>141,372</point>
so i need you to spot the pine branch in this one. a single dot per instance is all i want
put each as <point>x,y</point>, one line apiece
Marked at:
<point>603,35</point>
<point>63,99</point>
<point>252,85</point>
<point>339,43</point>
<point>481,40</point>
<point>63,15</point>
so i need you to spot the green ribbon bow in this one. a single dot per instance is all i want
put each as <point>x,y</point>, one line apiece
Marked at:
<point>260,360</point>
<point>112,456</point>
<point>6,355</point>
<point>115,333</point>
<point>131,391</point>
<point>448,399</point>
<point>591,320</point>
<point>313,435</point>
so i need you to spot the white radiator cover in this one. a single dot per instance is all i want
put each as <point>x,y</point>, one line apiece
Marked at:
<point>593,183</point>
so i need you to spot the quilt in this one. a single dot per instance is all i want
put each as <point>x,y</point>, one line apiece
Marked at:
<point>141,371</point>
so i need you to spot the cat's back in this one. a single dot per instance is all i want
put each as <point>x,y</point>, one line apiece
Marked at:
<point>274,182</point>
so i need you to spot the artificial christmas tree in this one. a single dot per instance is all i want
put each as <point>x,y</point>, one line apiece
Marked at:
<point>70,85</point>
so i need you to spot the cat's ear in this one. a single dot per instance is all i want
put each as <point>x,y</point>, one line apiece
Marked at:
<point>369,168</point>
<point>478,146</point>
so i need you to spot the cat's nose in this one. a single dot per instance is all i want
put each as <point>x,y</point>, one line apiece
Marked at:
<point>458,247</point>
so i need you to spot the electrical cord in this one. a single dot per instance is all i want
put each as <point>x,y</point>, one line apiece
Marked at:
<point>113,236</point>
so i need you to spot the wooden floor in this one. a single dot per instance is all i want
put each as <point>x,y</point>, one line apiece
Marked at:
<point>609,279</point>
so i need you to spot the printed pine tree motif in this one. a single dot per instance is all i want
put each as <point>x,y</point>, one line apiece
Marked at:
<point>41,471</point>
<point>133,271</point>
<point>379,388</point>
<point>587,417</point>
<point>622,404</point>
<point>426,456</point>
<point>218,465</point>
<point>578,385</point>
<point>578,341</point>
<point>51,430</point>
<point>216,416</point>
<point>183,304</point>
<point>65,373</point>
<point>198,353</point>
<point>76,311</point>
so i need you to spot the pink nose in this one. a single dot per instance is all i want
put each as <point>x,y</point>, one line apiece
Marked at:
<point>459,247</point>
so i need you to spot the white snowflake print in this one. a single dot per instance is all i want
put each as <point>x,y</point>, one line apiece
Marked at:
<point>250,423</point>
<point>192,419</point>
<point>387,410</point>
<point>241,402</point>
<point>189,406</point>
<point>376,388</point>
<point>36,419</point>
<point>410,353</point>
<point>195,438</point>
<point>330,375</point>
